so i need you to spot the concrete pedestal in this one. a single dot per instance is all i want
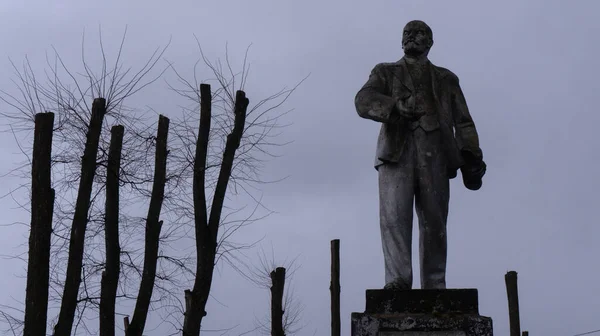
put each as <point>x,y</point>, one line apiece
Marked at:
<point>421,312</point>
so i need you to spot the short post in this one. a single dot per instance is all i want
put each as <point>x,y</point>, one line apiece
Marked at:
<point>277,290</point>
<point>525,333</point>
<point>335,288</point>
<point>513,303</point>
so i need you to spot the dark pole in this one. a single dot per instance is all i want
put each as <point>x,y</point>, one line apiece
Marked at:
<point>513,303</point>
<point>335,288</point>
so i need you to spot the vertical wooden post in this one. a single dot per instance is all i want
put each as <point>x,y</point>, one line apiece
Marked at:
<point>513,303</point>
<point>335,288</point>
<point>525,333</point>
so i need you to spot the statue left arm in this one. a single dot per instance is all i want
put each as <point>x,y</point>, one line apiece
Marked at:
<point>464,127</point>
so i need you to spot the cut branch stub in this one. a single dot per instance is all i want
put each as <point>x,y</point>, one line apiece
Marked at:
<point>277,290</point>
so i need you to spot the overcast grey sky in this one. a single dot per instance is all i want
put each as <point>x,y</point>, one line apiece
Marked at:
<point>529,74</point>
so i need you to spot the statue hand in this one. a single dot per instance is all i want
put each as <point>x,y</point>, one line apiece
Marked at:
<point>405,107</point>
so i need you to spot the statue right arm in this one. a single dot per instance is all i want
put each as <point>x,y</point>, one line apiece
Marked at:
<point>373,102</point>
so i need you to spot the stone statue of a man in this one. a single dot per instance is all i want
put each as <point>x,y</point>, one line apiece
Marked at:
<point>427,135</point>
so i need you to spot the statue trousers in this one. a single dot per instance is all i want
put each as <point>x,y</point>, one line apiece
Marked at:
<point>420,178</point>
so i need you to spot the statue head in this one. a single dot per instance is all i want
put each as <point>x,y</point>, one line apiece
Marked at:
<point>417,38</point>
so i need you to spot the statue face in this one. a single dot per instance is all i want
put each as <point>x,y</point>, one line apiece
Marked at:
<point>417,38</point>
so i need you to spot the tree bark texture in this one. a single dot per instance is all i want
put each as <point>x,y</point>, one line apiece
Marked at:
<point>42,204</point>
<point>110,276</point>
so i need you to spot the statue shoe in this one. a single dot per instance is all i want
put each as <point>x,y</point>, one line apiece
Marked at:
<point>397,284</point>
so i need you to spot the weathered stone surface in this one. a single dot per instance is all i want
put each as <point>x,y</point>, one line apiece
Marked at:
<point>445,312</point>
<point>424,301</point>
<point>374,324</point>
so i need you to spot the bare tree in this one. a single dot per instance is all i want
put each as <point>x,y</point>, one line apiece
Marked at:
<point>108,84</point>
<point>231,144</point>
<point>96,224</point>
<point>80,127</point>
<point>268,273</point>
<point>276,276</point>
<point>207,225</point>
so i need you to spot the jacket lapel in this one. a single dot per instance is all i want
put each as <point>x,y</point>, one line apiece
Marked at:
<point>401,73</point>
<point>435,77</point>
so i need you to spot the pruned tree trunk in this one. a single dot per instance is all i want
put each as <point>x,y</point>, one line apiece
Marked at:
<point>277,289</point>
<point>74,264</point>
<point>207,228</point>
<point>110,277</point>
<point>335,288</point>
<point>194,308</point>
<point>42,204</point>
<point>153,227</point>
<point>513,303</point>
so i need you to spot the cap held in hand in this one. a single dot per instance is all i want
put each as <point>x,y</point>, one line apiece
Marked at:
<point>472,171</point>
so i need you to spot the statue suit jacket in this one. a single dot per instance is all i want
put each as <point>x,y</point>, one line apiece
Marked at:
<point>389,82</point>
